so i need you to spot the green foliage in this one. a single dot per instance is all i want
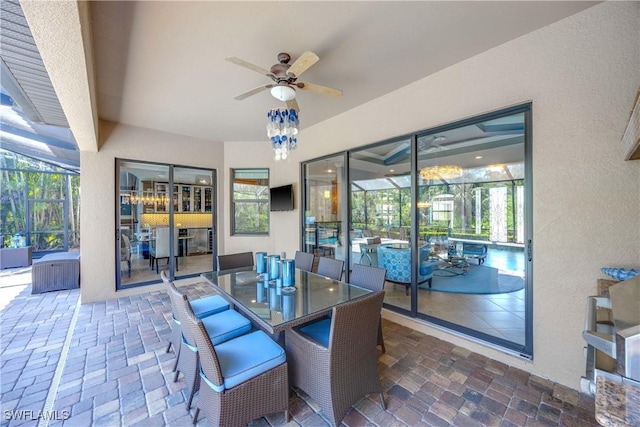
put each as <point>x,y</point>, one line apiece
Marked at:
<point>27,179</point>
<point>251,217</point>
<point>383,212</point>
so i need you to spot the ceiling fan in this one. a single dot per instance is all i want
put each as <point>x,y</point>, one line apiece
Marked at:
<point>285,78</point>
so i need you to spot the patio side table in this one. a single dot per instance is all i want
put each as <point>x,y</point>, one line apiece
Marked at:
<point>55,272</point>
<point>15,257</point>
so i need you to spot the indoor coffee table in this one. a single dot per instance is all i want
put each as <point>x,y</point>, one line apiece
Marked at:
<point>453,265</point>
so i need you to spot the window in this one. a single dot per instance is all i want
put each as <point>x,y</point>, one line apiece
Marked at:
<point>250,201</point>
<point>39,205</point>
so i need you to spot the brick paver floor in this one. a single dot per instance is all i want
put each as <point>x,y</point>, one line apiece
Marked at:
<point>112,370</point>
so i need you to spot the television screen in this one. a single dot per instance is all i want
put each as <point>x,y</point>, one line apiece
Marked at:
<point>282,198</point>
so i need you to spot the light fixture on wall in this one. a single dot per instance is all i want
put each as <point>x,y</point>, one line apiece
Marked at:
<point>327,194</point>
<point>441,172</point>
<point>203,179</point>
<point>282,130</point>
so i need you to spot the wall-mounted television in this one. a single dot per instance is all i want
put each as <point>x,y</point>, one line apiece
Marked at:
<point>281,198</point>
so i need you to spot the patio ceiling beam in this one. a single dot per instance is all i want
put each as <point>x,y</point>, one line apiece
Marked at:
<point>62,32</point>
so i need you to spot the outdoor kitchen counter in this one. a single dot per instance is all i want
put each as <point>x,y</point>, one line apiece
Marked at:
<point>617,403</point>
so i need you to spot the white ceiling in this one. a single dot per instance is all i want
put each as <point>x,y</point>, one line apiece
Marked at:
<point>161,65</point>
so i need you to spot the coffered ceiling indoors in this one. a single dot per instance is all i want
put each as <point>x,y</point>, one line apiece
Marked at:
<point>161,65</point>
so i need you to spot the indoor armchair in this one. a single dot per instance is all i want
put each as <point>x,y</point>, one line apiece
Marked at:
<point>397,262</point>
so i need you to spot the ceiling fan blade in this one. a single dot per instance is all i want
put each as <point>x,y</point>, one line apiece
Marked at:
<point>293,104</point>
<point>248,65</point>
<point>319,89</point>
<point>303,63</point>
<point>252,92</point>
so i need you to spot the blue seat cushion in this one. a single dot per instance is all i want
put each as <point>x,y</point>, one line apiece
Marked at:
<point>203,307</point>
<point>246,357</point>
<point>225,325</point>
<point>318,330</point>
<point>426,269</point>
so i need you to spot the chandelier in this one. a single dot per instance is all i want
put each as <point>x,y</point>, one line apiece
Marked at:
<point>282,130</point>
<point>143,197</point>
<point>441,172</point>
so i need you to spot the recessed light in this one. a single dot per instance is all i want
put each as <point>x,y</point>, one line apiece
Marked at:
<point>329,170</point>
<point>392,170</point>
<point>478,157</point>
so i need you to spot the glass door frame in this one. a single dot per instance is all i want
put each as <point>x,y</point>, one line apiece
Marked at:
<point>171,221</point>
<point>343,212</point>
<point>526,350</point>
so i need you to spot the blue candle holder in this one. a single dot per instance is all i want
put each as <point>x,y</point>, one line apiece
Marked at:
<point>275,299</point>
<point>289,303</point>
<point>260,297</point>
<point>274,267</point>
<point>261,262</point>
<point>288,272</point>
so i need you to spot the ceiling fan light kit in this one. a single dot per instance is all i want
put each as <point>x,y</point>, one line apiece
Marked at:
<point>283,93</point>
<point>285,77</point>
<point>282,127</point>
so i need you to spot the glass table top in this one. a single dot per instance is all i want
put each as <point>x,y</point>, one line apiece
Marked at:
<point>277,308</point>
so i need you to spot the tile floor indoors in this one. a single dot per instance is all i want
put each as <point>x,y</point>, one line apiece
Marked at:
<point>104,364</point>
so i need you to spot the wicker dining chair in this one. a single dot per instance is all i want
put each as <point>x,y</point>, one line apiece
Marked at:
<point>219,327</point>
<point>336,361</point>
<point>330,267</point>
<point>238,260</point>
<point>371,278</point>
<point>202,307</point>
<point>304,260</point>
<point>238,383</point>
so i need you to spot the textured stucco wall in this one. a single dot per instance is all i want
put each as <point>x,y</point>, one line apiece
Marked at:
<point>283,225</point>
<point>97,213</point>
<point>582,76</point>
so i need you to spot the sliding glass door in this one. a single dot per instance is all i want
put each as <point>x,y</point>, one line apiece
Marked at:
<point>471,210</point>
<point>324,208</point>
<point>165,221</point>
<point>446,212</point>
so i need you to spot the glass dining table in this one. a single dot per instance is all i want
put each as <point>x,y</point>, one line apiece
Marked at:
<point>276,308</point>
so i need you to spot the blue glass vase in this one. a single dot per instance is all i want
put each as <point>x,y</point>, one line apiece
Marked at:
<point>261,262</point>
<point>288,272</point>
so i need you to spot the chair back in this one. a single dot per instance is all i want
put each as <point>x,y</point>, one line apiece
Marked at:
<point>368,277</point>
<point>181,309</point>
<point>125,248</point>
<point>208,359</point>
<point>330,267</point>
<point>238,260</point>
<point>304,260</point>
<point>352,338</point>
<point>162,242</point>
<point>165,279</point>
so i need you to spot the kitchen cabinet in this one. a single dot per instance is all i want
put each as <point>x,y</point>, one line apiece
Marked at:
<point>185,197</point>
<point>208,199</point>
<point>197,199</point>
<point>201,199</point>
